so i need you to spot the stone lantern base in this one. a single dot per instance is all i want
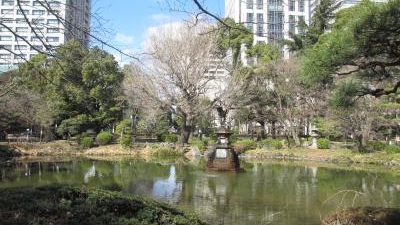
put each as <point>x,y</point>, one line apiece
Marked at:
<point>223,159</point>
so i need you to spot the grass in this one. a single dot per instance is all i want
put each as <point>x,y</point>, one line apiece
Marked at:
<point>72,205</point>
<point>327,155</point>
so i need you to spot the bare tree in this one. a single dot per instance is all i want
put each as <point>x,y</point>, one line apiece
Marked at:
<point>175,80</point>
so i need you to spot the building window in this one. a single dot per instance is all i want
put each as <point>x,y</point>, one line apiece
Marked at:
<point>6,38</point>
<point>37,3</point>
<point>300,28</point>
<point>37,21</point>
<point>52,21</point>
<point>20,56</point>
<point>7,20</point>
<point>22,12</point>
<point>20,20</point>
<point>36,48</point>
<point>292,24</point>
<point>24,2</point>
<point>6,47</point>
<point>21,47</point>
<point>53,12</point>
<point>52,39</point>
<point>301,5</point>
<point>260,29</point>
<point>21,38</point>
<point>37,12</point>
<point>7,2</point>
<point>36,38</point>
<point>53,30</point>
<point>54,4</point>
<point>292,4</point>
<point>38,30</point>
<point>7,11</point>
<point>249,4</point>
<point>260,18</point>
<point>21,29</point>
<point>5,56</point>
<point>250,20</point>
<point>260,4</point>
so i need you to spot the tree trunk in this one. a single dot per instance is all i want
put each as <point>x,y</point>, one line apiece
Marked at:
<point>273,129</point>
<point>295,135</point>
<point>186,129</point>
<point>262,132</point>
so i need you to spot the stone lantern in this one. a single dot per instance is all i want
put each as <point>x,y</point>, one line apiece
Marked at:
<point>223,157</point>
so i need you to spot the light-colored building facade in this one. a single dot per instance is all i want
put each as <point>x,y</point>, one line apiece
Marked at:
<point>273,20</point>
<point>29,26</point>
<point>270,20</point>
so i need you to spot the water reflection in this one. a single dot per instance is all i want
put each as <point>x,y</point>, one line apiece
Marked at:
<point>168,190</point>
<point>263,194</point>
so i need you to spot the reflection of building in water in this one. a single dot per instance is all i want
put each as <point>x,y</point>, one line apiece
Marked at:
<point>90,173</point>
<point>168,190</point>
<point>27,170</point>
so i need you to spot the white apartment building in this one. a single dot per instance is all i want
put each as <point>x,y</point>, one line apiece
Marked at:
<point>29,26</point>
<point>270,20</point>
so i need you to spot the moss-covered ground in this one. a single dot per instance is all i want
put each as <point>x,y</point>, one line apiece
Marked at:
<point>72,205</point>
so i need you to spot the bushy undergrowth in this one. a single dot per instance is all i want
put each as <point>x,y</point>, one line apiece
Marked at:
<point>392,149</point>
<point>243,145</point>
<point>126,141</point>
<point>271,143</point>
<point>322,143</point>
<point>201,144</point>
<point>76,206</point>
<point>377,145</point>
<point>165,152</point>
<point>172,138</point>
<point>104,138</point>
<point>87,142</point>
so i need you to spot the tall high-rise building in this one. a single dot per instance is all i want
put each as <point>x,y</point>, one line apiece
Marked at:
<point>31,26</point>
<point>270,20</point>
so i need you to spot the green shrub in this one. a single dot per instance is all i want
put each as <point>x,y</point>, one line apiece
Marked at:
<point>126,141</point>
<point>232,139</point>
<point>104,138</point>
<point>124,127</point>
<point>78,138</point>
<point>271,143</point>
<point>376,145</point>
<point>392,149</point>
<point>173,138</point>
<point>322,143</point>
<point>201,144</point>
<point>49,204</point>
<point>242,146</point>
<point>87,142</point>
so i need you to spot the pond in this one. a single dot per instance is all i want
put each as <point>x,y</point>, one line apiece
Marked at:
<point>264,193</point>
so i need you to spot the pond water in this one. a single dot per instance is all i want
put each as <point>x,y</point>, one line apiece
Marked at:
<point>265,193</point>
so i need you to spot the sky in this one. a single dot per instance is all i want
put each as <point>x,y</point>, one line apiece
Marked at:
<point>125,23</point>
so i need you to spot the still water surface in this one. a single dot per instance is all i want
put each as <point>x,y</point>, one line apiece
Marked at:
<point>265,193</point>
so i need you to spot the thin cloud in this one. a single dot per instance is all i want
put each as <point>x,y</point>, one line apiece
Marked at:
<point>161,18</point>
<point>123,39</point>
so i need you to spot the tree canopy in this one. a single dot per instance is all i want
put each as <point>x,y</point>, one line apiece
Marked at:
<point>363,46</point>
<point>80,86</point>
